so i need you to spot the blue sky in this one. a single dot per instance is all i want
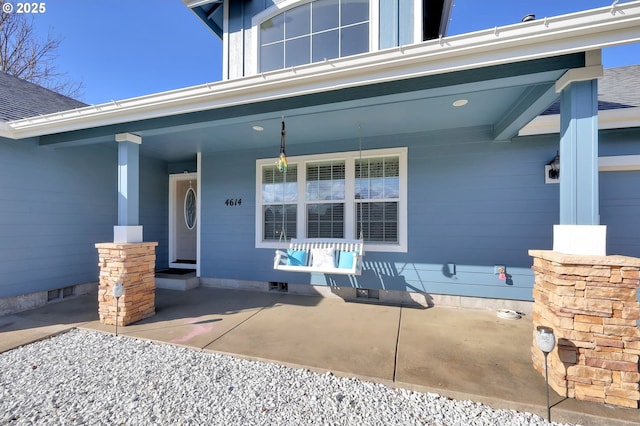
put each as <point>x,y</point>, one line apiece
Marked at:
<point>126,48</point>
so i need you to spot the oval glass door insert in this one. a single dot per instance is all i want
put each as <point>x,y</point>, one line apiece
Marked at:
<point>190,208</point>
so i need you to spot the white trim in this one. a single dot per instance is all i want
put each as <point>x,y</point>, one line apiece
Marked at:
<point>619,163</point>
<point>195,3</point>
<point>587,240</point>
<point>173,180</point>
<point>127,234</point>
<point>577,32</point>
<point>418,21</point>
<point>198,211</point>
<point>374,25</point>
<point>225,41</point>
<point>579,74</point>
<point>349,201</point>
<point>128,137</point>
<point>622,118</point>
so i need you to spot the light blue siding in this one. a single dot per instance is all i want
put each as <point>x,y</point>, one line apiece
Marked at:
<point>154,206</point>
<point>620,211</point>
<point>472,204</point>
<point>56,204</point>
<point>389,12</point>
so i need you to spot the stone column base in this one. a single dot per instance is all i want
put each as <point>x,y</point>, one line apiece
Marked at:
<point>591,303</point>
<point>133,266</point>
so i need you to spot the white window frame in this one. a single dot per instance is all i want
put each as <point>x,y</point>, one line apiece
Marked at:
<point>350,202</point>
<point>252,63</point>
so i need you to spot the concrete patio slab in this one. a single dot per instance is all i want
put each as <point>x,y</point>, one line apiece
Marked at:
<point>30,326</point>
<point>473,354</point>
<point>194,318</point>
<point>354,338</point>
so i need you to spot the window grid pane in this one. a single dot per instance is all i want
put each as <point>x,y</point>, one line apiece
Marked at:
<point>279,195</point>
<point>325,181</point>
<point>378,221</point>
<point>278,187</point>
<point>325,220</point>
<point>377,179</point>
<point>346,21</point>
<point>273,222</point>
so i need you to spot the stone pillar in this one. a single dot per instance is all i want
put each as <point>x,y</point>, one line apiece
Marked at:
<point>591,303</point>
<point>133,266</point>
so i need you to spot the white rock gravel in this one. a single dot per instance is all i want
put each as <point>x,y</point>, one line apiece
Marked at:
<point>84,377</point>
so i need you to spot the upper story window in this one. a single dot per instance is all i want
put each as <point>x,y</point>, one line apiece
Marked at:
<point>314,31</point>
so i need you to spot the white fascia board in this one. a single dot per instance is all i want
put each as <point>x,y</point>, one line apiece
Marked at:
<point>622,118</point>
<point>547,37</point>
<point>5,130</point>
<point>579,74</point>
<point>195,3</point>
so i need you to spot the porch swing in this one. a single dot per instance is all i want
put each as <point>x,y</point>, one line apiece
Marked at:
<point>323,255</point>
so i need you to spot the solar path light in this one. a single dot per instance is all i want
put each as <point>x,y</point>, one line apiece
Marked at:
<point>118,291</point>
<point>546,341</point>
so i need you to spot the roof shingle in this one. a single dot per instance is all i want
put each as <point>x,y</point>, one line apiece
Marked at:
<point>21,99</point>
<point>617,88</point>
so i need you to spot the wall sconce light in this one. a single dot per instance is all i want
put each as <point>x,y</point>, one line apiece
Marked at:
<point>552,170</point>
<point>554,167</point>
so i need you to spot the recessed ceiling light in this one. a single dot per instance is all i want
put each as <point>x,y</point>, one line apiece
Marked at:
<point>460,102</point>
<point>258,128</point>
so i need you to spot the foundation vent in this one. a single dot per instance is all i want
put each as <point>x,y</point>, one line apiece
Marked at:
<point>367,293</point>
<point>278,286</point>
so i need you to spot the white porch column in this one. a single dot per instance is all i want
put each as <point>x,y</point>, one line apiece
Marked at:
<point>128,229</point>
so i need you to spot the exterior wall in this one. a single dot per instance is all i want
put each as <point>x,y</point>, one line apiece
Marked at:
<point>56,204</point>
<point>473,204</point>
<point>154,207</point>
<point>620,195</point>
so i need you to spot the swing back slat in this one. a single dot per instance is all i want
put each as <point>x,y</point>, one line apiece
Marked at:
<point>353,249</point>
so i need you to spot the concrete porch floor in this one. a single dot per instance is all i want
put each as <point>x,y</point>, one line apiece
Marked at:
<point>459,353</point>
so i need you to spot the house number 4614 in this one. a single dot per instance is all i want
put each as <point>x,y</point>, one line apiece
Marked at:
<point>233,202</point>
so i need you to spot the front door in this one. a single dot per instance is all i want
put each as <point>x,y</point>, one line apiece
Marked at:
<point>183,226</point>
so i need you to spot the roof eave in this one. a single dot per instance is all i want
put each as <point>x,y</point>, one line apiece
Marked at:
<point>578,32</point>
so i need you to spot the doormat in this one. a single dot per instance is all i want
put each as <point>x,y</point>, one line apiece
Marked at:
<point>175,271</point>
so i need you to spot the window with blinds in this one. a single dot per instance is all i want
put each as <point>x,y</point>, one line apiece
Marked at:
<point>325,199</point>
<point>336,195</point>
<point>279,203</point>
<point>377,191</point>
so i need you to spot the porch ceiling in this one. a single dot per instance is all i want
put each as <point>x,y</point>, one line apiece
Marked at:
<point>501,98</point>
<point>381,116</point>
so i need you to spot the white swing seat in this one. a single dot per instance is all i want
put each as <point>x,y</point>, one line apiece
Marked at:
<point>327,256</point>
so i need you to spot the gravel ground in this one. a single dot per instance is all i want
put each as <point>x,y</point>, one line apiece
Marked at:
<point>84,377</point>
